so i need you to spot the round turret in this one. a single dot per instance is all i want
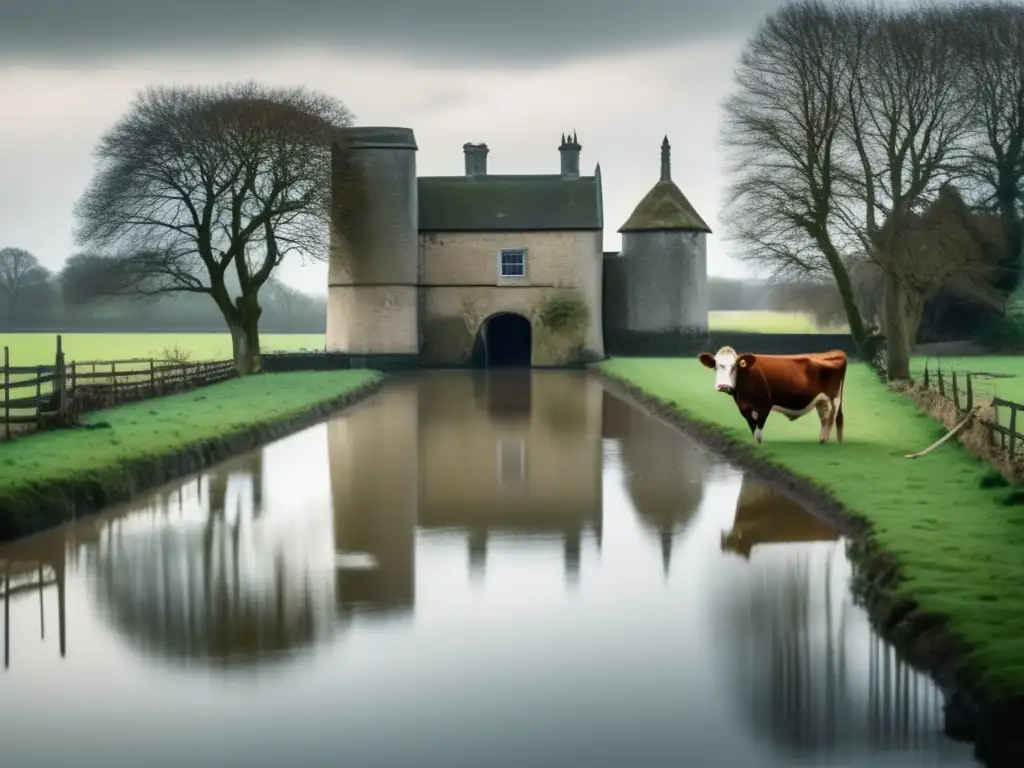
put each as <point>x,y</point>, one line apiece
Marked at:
<point>373,274</point>
<point>663,264</point>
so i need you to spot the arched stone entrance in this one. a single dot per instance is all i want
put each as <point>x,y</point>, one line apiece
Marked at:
<point>504,340</point>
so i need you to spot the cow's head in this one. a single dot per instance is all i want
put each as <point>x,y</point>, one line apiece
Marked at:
<point>728,367</point>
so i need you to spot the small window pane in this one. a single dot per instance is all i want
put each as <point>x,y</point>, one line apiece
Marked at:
<point>513,263</point>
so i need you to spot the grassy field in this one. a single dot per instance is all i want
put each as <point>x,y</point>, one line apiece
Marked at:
<point>960,543</point>
<point>1008,388</point>
<point>757,321</point>
<point>40,348</point>
<point>165,425</point>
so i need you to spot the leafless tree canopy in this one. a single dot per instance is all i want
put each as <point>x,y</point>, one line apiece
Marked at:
<point>993,46</point>
<point>20,273</point>
<point>195,181</point>
<point>847,125</point>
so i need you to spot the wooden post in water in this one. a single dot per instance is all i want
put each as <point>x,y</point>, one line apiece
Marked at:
<point>7,393</point>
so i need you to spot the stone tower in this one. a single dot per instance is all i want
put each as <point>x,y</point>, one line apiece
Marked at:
<point>373,272</point>
<point>662,269</point>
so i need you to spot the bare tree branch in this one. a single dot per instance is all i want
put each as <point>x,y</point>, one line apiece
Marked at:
<point>195,180</point>
<point>783,134</point>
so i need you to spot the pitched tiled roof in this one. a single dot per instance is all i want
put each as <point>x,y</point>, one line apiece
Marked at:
<point>665,207</point>
<point>508,203</point>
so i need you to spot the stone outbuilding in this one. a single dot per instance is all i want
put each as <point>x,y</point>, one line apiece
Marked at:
<point>493,269</point>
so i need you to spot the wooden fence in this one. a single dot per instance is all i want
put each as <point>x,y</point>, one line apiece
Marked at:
<point>965,388</point>
<point>39,395</point>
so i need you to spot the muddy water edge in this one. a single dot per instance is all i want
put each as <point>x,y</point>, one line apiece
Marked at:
<point>464,569</point>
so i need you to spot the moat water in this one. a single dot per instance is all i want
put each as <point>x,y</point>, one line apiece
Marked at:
<point>513,569</point>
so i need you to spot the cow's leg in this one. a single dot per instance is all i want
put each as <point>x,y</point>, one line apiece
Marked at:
<point>825,413</point>
<point>756,421</point>
<point>838,402</point>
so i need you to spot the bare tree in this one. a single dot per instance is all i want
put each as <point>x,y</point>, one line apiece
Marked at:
<point>783,132</point>
<point>196,181</point>
<point>992,43</point>
<point>20,273</point>
<point>908,122</point>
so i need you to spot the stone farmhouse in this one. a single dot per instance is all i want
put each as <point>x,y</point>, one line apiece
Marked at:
<point>485,269</point>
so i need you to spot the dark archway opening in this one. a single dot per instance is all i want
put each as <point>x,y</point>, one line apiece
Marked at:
<point>504,341</point>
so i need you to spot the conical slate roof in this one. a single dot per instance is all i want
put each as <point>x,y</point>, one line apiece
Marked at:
<point>665,207</point>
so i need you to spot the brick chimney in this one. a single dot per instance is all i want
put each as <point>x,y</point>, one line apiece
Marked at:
<point>476,159</point>
<point>570,151</point>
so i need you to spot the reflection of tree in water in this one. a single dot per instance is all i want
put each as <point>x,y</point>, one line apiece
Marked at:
<point>788,635</point>
<point>665,471</point>
<point>37,564</point>
<point>214,586</point>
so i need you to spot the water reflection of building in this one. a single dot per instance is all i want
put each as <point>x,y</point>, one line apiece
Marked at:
<point>511,453</point>
<point>373,452</point>
<point>37,564</point>
<point>809,673</point>
<point>196,575</point>
<point>765,516</point>
<point>665,471</point>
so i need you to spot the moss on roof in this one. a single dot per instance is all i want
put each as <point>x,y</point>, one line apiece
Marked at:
<point>665,207</point>
<point>508,203</point>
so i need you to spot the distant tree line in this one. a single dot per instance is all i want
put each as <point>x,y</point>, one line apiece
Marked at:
<point>32,298</point>
<point>881,150</point>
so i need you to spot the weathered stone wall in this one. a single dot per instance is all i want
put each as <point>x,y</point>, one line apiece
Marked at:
<point>462,288</point>
<point>373,270</point>
<point>666,281</point>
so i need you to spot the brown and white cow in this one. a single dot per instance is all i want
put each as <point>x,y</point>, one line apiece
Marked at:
<point>793,385</point>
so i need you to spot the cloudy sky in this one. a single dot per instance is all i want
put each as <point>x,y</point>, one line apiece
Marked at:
<point>621,73</point>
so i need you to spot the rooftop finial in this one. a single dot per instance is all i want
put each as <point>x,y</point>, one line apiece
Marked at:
<point>666,162</point>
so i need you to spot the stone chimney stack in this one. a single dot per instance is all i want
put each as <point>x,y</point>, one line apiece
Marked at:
<point>570,151</point>
<point>476,159</point>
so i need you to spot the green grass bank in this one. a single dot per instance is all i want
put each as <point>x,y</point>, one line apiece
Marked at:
<point>47,478</point>
<point>937,539</point>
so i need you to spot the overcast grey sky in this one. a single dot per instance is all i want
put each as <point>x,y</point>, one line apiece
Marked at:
<point>512,74</point>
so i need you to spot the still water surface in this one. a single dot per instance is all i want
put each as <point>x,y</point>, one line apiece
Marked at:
<point>518,569</point>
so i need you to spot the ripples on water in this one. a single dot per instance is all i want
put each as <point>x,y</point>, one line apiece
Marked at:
<point>466,570</point>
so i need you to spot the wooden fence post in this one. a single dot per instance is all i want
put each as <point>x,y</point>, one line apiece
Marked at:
<point>970,394</point>
<point>1013,431</point>
<point>7,394</point>
<point>956,394</point>
<point>152,379</point>
<point>926,375</point>
<point>62,397</point>
<point>942,385</point>
<point>39,397</point>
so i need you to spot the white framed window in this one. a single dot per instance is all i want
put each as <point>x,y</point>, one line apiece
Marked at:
<point>511,463</point>
<point>512,262</point>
